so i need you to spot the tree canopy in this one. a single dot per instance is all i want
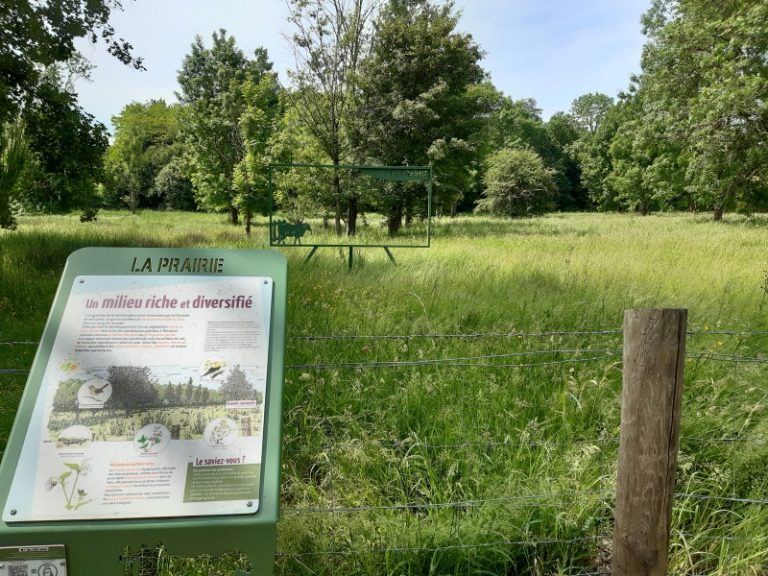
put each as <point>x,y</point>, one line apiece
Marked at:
<point>39,34</point>
<point>147,138</point>
<point>212,82</point>
<point>417,104</point>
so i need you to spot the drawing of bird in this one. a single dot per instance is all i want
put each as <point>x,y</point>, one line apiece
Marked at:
<point>215,367</point>
<point>97,390</point>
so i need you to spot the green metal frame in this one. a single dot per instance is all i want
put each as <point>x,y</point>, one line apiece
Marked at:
<point>95,546</point>
<point>391,173</point>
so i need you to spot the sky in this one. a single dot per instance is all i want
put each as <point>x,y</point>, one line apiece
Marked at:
<point>550,50</point>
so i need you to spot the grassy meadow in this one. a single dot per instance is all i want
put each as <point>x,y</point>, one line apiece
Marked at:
<point>484,439</point>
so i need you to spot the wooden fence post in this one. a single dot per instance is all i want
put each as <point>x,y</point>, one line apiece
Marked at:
<point>654,354</point>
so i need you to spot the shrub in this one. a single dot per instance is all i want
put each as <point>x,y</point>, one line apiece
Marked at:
<point>517,184</point>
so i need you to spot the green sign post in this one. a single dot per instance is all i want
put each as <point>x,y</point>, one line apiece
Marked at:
<point>152,413</point>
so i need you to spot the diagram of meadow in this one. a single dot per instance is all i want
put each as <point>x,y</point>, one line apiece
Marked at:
<point>216,401</point>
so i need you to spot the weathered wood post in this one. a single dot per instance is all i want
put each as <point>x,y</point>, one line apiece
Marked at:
<point>654,354</point>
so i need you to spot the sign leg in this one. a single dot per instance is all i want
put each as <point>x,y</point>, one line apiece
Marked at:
<point>311,253</point>
<point>389,253</point>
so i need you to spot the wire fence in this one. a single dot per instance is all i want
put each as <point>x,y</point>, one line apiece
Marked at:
<point>599,533</point>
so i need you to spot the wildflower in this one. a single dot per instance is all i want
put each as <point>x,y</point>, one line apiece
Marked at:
<point>304,376</point>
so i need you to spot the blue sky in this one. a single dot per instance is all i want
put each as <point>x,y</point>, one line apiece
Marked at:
<point>550,50</point>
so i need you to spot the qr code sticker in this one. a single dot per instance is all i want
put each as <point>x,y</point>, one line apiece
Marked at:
<point>18,570</point>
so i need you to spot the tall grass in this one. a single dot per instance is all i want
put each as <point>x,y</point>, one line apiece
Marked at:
<point>439,469</point>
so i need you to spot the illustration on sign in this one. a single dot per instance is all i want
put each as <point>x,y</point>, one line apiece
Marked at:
<point>152,402</point>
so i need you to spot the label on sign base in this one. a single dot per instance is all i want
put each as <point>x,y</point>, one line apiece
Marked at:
<point>152,401</point>
<point>33,561</point>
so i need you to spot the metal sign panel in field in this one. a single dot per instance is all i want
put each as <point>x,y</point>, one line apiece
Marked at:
<point>151,403</point>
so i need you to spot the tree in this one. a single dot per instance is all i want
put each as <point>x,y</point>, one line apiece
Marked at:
<point>147,138</point>
<point>592,151</point>
<point>647,168</point>
<point>258,124</point>
<point>705,68</point>
<point>563,132</point>
<point>212,81</point>
<point>418,102</point>
<point>66,151</point>
<point>189,390</point>
<point>517,184</point>
<point>173,186</point>
<point>37,35</point>
<point>298,192</point>
<point>589,110</point>
<point>329,41</point>
<point>237,386</point>
<point>13,157</point>
<point>133,387</point>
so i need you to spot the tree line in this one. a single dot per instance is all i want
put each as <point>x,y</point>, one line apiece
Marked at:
<point>389,82</point>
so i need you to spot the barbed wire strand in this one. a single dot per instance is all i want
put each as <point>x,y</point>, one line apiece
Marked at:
<point>760,501</point>
<point>409,444</point>
<point>460,363</point>
<point>448,362</point>
<point>468,335</point>
<point>471,335</point>
<point>720,357</point>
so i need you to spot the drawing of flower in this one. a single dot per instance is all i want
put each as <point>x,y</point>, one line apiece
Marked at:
<point>151,439</point>
<point>69,366</point>
<point>221,432</point>
<point>73,496</point>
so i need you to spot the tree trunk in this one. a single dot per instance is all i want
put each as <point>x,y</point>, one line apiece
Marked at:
<point>351,216</point>
<point>6,216</point>
<point>248,219</point>
<point>395,219</point>
<point>337,195</point>
<point>409,216</point>
<point>133,198</point>
<point>234,216</point>
<point>718,212</point>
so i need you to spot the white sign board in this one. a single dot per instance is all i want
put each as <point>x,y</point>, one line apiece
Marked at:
<point>152,402</point>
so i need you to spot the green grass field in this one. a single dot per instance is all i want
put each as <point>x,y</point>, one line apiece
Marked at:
<point>399,461</point>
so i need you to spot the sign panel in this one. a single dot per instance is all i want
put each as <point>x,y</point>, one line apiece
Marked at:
<point>152,400</point>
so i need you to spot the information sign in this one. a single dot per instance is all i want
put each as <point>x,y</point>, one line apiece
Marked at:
<point>152,411</point>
